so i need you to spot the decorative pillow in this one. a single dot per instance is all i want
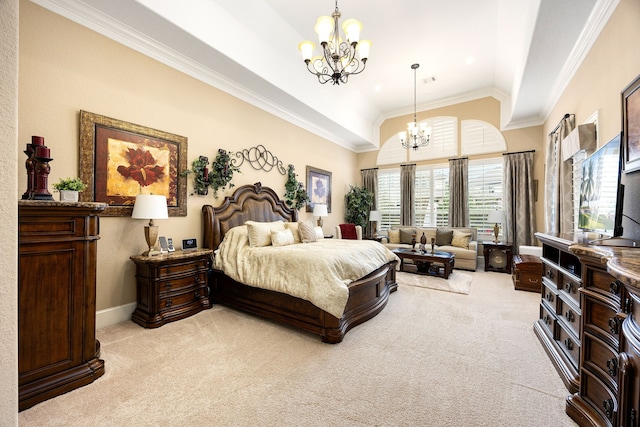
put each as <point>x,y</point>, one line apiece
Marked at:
<point>394,236</point>
<point>307,232</point>
<point>406,234</point>
<point>460,239</point>
<point>319,233</point>
<point>348,231</point>
<point>260,232</point>
<point>293,226</point>
<point>443,237</point>
<point>282,237</point>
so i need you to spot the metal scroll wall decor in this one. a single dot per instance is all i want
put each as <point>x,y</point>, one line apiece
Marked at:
<point>260,159</point>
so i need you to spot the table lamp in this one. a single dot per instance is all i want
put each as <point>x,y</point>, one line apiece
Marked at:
<point>374,217</point>
<point>148,206</point>
<point>320,210</point>
<point>496,217</point>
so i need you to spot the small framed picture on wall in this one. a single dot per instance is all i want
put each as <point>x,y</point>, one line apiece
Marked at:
<point>631,126</point>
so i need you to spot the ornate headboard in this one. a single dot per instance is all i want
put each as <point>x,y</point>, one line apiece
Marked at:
<point>248,203</point>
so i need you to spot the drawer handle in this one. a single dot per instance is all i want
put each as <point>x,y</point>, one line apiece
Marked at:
<point>197,293</point>
<point>568,287</point>
<point>534,281</point>
<point>614,324</point>
<point>614,287</point>
<point>168,303</point>
<point>628,305</point>
<point>608,408</point>
<point>549,297</point>
<point>569,344</point>
<point>168,285</point>
<point>612,366</point>
<point>547,319</point>
<point>549,274</point>
<point>570,316</point>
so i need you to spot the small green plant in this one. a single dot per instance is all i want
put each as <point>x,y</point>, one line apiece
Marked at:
<point>222,172</point>
<point>71,184</point>
<point>201,175</point>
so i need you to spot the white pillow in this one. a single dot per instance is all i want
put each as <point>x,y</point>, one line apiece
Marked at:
<point>307,232</point>
<point>293,226</point>
<point>260,232</point>
<point>282,237</point>
<point>319,233</point>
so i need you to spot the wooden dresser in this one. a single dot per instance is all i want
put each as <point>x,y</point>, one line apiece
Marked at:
<point>171,286</point>
<point>559,326</point>
<point>605,304</point>
<point>57,346</point>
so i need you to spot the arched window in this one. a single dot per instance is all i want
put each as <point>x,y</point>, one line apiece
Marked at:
<point>480,137</point>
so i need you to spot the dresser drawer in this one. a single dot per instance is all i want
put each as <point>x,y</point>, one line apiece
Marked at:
<point>596,392</point>
<point>177,284</point>
<point>174,301</point>
<point>569,314</point>
<point>550,296</point>
<point>550,272</point>
<point>598,356</point>
<point>570,287</point>
<point>603,281</point>
<point>547,320</point>
<point>601,317</point>
<point>182,267</point>
<point>569,344</point>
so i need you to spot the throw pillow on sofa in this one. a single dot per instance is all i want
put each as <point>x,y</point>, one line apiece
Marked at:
<point>460,239</point>
<point>406,235</point>
<point>443,237</point>
<point>394,236</point>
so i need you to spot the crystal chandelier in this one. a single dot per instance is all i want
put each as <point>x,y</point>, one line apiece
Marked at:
<point>415,136</point>
<point>338,60</point>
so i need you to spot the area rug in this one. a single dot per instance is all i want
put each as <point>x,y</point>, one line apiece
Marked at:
<point>458,281</point>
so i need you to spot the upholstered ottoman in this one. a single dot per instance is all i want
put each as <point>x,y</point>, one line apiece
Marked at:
<point>527,273</point>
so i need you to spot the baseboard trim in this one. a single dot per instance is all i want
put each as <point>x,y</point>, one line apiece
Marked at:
<point>113,315</point>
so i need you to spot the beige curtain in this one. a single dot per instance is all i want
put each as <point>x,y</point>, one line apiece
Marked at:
<point>407,194</point>
<point>370,182</point>
<point>558,188</point>
<point>519,203</point>
<point>459,192</point>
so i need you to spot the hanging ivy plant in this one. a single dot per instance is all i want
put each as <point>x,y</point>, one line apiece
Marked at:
<point>201,175</point>
<point>222,172</point>
<point>295,195</point>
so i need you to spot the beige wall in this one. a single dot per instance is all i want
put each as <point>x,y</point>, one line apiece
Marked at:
<point>65,68</point>
<point>9,212</point>
<point>486,109</point>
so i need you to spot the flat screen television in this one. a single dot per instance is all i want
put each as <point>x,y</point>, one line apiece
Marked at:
<point>600,191</point>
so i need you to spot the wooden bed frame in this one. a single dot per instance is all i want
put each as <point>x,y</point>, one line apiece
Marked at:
<point>367,296</point>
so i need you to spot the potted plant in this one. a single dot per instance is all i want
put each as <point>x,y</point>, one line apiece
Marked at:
<point>69,189</point>
<point>201,175</point>
<point>358,205</point>
<point>222,172</point>
<point>295,195</point>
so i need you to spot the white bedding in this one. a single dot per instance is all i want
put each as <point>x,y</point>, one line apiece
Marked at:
<point>318,272</point>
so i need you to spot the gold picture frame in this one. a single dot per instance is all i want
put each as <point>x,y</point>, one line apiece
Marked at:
<point>318,188</point>
<point>119,160</point>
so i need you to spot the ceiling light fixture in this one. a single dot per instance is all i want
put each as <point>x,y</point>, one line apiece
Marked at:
<point>415,136</point>
<point>338,60</point>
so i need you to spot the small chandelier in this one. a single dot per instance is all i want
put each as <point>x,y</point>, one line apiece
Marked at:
<point>338,60</point>
<point>415,136</point>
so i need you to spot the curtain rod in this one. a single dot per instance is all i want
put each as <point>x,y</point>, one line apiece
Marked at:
<point>566,116</point>
<point>519,152</point>
<point>408,164</point>
<point>369,169</point>
<point>460,158</point>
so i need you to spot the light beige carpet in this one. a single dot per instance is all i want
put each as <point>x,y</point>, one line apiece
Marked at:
<point>458,282</point>
<point>428,359</point>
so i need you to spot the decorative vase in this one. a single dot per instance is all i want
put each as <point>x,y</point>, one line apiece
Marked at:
<point>68,196</point>
<point>433,243</point>
<point>413,243</point>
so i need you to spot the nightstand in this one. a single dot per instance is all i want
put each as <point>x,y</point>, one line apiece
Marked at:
<point>171,286</point>
<point>498,256</point>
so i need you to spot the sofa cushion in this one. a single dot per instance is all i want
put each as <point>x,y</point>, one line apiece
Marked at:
<point>406,234</point>
<point>394,236</point>
<point>429,233</point>
<point>443,237</point>
<point>460,239</point>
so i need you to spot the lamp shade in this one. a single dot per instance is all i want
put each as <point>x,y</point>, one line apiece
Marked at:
<point>375,216</point>
<point>496,216</point>
<point>320,209</point>
<point>148,206</point>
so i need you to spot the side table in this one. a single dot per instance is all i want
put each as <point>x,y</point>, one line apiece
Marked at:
<point>171,286</point>
<point>498,256</point>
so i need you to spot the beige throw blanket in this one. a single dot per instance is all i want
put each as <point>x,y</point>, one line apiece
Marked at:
<point>316,272</point>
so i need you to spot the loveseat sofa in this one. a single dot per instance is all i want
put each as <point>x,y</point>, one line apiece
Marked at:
<point>462,241</point>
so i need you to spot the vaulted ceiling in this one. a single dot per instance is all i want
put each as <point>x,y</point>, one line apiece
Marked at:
<point>521,52</point>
